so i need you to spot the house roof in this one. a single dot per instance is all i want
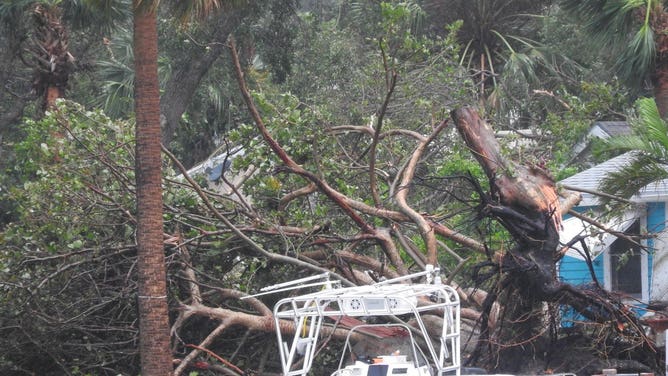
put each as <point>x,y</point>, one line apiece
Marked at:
<point>607,129</point>
<point>220,160</point>
<point>602,130</point>
<point>590,179</point>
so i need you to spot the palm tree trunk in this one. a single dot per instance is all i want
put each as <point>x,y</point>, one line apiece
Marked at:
<point>660,78</point>
<point>154,341</point>
<point>53,61</point>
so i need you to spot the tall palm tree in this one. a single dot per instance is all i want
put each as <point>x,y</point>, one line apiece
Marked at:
<point>638,31</point>
<point>54,62</point>
<point>154,340</point>
<point>498,38</point>
<point>46,42</point>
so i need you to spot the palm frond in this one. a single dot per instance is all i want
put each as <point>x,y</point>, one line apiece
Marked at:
<point>654,128</point>
<point>626,143</point>
<point>104,15</point>
<point>10,9</point>
<point>191,10</point>
<point>521,64</point>
<point>649,147</point>
<point>641,171</point>
<point>118,88</point>
<point>527,42</point>
<point>604,19</point>
<point>466,54</point>
<point>650,133</point>
<point>216,98</point>
<point>504,40</point>
<point>490,63</point>
<point>638,58</point>
<point>146,5</point>
<point>610,23</point>
<point>417,16</point>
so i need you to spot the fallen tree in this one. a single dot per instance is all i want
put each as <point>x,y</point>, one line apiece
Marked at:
<point>525,201</point>
<point>311,210</point>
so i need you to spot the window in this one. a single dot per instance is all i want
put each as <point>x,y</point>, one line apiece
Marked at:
<point>625,260</point>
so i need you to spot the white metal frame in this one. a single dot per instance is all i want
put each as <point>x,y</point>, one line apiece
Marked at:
<point>388,298</point>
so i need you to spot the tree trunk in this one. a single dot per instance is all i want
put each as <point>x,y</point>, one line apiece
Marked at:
<point>53,62</point>
<point>660,78</point>
<point>154,340</point>
<point>182,85</point>
<point>524,200</point>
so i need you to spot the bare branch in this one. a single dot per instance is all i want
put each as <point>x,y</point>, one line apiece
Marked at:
<point>335,196</point>
<point>376,135</point>
<point>366,130</point>
<point>252,244</point>
<point>304,191</point>
<point>604,228</point>
<point>206,342</point>
<point>407,174</point>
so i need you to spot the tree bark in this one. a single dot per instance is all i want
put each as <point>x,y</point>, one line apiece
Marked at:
<point>53,61</point>
<point>661,87</point>
<point>524,200</point>
<point>660,72</point>
<point>154,337</point>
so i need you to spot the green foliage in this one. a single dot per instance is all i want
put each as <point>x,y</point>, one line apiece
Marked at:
<point>299,128</point>
<point>344,70</point>
<point>649,144</point>
<point>650,132</point>
<point>276,32</point>
<point>65,253</point>
<point>564,124</point>
<point>66,265</point>
<point>61,167</point>
<point>619,27</point>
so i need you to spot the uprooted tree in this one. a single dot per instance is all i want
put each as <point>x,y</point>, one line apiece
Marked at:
<point>516,318</point>
<point>525,200</point>
<point>305,197</point>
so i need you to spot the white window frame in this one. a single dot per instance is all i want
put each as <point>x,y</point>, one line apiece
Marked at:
<point>644,265</point>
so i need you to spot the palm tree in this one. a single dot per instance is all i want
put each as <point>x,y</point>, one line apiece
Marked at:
<point>649,161</point>
<point>637,31</point>
<point>54,61</point>
<point>154,340</point>
<point>154,337</point>
<point>498,38</point>
<point>46,43</point>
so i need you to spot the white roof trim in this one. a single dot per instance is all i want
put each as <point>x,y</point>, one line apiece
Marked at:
<point>596,239</point>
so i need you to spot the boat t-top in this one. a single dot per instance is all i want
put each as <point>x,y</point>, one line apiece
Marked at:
<point>388,334</point>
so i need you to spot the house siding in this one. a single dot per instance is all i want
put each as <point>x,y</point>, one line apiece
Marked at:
<point>576,272</point>
<point>656,222</point>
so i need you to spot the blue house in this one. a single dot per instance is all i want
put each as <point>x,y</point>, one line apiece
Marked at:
<point>640,274</point>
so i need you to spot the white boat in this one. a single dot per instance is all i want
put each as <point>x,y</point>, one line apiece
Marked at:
<point>405,360</point>
<point>380,341</point>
